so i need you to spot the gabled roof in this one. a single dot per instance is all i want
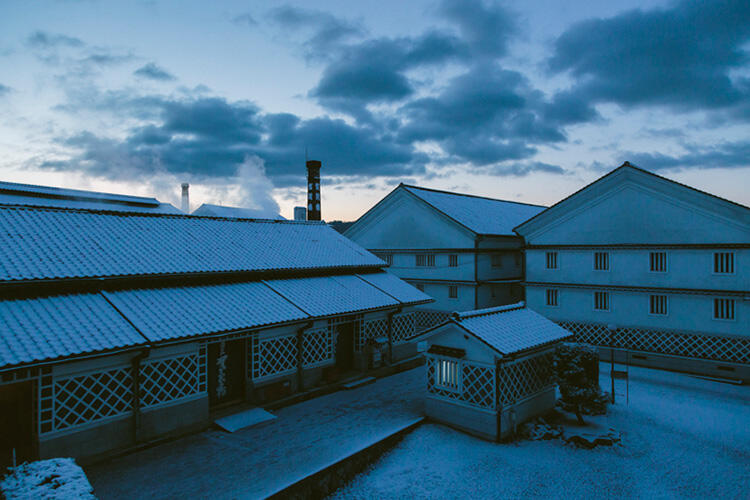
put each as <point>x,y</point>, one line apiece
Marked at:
<point>12,193</point>
<point>484,216</point>
<point>45,243</point>
<point>210,210</point>
<point>627,170</point>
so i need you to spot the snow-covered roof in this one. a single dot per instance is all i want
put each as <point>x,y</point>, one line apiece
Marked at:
<point>481,215</point>
<point>45,243</point>
<point>12,193</point>
<point>395,287</point>
<point>510,329</point>
<point>210,210</point>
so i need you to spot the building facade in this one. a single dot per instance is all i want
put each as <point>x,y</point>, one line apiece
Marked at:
<point>459,249</point>
<point>655,268</point>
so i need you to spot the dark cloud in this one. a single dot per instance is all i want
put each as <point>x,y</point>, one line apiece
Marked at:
<point>487,27</point>
<point>154,72</point>
<point>44,40</point>
<point>724,155</point>
<point>680,57</point>
<point>325,32</point>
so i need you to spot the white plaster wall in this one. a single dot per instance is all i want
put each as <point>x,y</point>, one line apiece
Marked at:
<point>439,292</point>
<point>405,266</point>
<point>451,335</point>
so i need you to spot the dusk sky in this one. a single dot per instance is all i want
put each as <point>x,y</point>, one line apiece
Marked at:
<point>519,100</point>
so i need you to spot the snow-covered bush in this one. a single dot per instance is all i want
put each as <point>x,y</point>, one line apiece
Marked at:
<point>576,371</point>
<point>54,478</point>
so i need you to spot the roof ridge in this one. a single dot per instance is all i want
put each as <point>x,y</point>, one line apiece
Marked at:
<point>470,195</point>
<point>458,316</point>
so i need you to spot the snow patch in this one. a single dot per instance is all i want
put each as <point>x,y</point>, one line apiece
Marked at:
<point>53,478</point>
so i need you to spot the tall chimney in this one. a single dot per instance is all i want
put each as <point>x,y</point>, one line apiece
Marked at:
<point>185,198</point>
<point>313,190</point>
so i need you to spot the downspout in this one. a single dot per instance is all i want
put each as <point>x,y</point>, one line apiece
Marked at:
<point>476,271</point>
<point>300,345</point>
<point>136,367</point>
<point>390,333</point>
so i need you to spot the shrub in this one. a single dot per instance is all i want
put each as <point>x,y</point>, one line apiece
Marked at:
<point>576,372</point>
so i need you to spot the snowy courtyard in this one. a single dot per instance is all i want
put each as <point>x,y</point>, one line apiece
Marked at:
<point>682,437</point>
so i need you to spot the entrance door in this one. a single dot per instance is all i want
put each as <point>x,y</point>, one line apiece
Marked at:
<point>226,372</point>
<point>345,347</point>
<point>16,431</point>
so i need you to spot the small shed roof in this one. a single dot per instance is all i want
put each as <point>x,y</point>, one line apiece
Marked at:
<point>208,209</point>
<point>509,329</point>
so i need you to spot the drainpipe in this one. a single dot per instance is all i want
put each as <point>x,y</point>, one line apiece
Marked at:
<point>300,346</point>
<point>390,333</point>
<point>476,270</point>
<point>136,367</point>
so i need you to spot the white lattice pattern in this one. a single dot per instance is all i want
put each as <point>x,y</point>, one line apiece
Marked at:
<point>85,398</point>
<point>426,318</point>
<point>730,349</point>
<point>524,377</point>
<point>371,329</point>
<point>318,346</point>
<point>477,384</point>
<point>274,356</point>
<point>166,380</point>
<point>404,327</point>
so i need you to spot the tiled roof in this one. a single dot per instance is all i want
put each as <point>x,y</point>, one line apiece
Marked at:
<point>510,329</point>
<point>480,215</point>
<point>41,243</point>
<point>53,327</point>
<point>395,287</point>
<point>210,210</point>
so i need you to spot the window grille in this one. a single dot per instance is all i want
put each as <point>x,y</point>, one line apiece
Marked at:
<point>658,262</point>
<point>723,308</point>
<point>318,347</point>
<point>519,379</point>
<point>552,295</point>
<point>274,356</point>
<point>404,327</point>
<point>448,375</point>
<point>387,257</point>
<point>453,292</point>
<point>551,260</point>
<point>724,262</point>
<point>658,304</point>
<point>426,318</point>
<point>601,261</point>
<point>425,260</point>
<point>165,380</point>
<point>453,260</point>
<point>497,260</point>
<point>601,301</point>
<point>371,329</point>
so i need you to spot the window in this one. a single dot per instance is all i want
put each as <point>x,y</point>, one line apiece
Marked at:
<point>448,375</point>
<point>601,261</point>
<point>551,260</point>
<point>658,304</point>
<point>453,292</point>
<point>420,287</point>
<point>387,257</point>
<point>658,262</point>
<point>426,260</point>
<point>723,308</point>
<point>601,301</point>
<point>552,297</point>
<point>497,260</point>
<point>453,260</point>
<point>724,263</point>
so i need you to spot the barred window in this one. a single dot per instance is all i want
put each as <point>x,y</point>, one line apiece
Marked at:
<point>387,257</point>
<point>723,308</point>
<point>551,260</point>
<point>453,292</point>
<point>724,262</point>
<point>497,260</point>
<point>658,262</point>
<point>453,260</point>
<point>448,375</point>
<point>601,301</point>
<point>426,260</point>
<point>601,261</point>
<point>658,304</point>
<point>552,295</point>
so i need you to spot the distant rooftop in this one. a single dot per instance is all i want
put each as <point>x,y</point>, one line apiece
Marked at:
<point>210,210</point>
<point>12,193</point>
<point>481,215</point>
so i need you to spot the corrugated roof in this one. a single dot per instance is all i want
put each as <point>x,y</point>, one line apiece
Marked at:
<point>510,329</point>
<point>54,327</point>
<point>395,287</point>
<point>480,215</point>
<point>210,210</point>
<point>39,243</point>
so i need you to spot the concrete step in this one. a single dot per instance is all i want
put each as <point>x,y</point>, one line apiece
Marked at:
<point>358,383</point>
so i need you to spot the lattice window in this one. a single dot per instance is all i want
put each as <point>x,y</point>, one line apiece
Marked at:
<point>729,349</point>
<point>274,356</point>
<point>524,377</point>
<point>318,347</point>
<point>371,329</point>
<point>404,327</point>
<point>477,384</point>
<point>86,398</point>
<point>165,380</point>
<point>425,318</point>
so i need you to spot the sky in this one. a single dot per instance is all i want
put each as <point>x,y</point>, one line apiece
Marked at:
<point>517,100</point>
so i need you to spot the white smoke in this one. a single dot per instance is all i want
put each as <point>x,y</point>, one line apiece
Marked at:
<point>253,188</point>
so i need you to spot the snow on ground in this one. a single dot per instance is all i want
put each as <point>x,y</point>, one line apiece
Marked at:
<point>258,461</point>
<point>683,437</point>
<point>55,478</point>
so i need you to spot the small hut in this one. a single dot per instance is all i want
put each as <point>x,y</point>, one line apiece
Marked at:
<point>489,370</point>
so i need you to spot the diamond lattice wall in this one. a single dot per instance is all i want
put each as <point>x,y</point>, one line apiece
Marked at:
<point>166,380</point>
<point>274,356</point>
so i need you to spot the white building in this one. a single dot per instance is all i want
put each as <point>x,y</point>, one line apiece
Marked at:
<point>651,265</point>
<point>460,249</point>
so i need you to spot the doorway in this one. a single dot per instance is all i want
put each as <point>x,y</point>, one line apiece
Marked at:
<point>226,372</point>
<point>345,347</point>
<point>16,423</point>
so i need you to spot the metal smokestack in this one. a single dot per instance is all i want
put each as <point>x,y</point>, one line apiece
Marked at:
<point>185,198</point>
<point>313,190</point>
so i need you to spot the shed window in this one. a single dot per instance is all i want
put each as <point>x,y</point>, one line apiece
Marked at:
<point>724,262</point>
<point>552,295</point>
<point>601,261</point>
<point>723,308</point>
<point>601,301</point>
<point>497,260</point>
<point>658,304</point>
<point>453,260</point>
<point>453,292</point>
<point>551,260</point>
<point>448,375</point>
<point>658,262</point>
<point>425,260</point>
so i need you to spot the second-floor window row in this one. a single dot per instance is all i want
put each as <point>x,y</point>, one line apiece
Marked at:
<point>425,260</point>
